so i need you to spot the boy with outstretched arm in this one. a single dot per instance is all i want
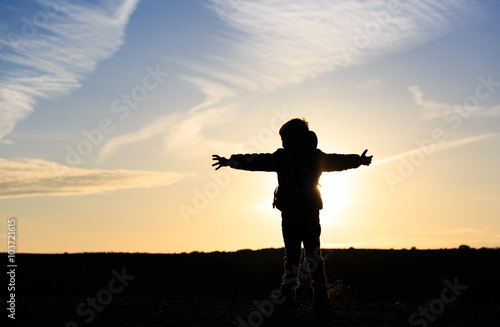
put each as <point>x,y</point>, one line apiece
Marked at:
<point>299,165</point>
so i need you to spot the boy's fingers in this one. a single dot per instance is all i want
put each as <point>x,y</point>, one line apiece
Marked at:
<point>364,152</point>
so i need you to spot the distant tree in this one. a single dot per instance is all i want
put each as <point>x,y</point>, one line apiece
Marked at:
<point>413,248</point>
<point>464,247</point>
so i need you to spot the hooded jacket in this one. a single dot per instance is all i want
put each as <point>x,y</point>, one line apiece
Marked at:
<point>298,172</point>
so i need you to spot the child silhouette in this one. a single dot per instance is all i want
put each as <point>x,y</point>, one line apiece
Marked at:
<point>299,165</point>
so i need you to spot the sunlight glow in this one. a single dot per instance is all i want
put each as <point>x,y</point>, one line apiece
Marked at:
<point>335,191</point>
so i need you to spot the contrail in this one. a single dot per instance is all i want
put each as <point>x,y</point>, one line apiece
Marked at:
<point>440,146</point>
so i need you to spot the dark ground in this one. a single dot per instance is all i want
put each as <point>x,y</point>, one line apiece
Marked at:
<point>368,288</point>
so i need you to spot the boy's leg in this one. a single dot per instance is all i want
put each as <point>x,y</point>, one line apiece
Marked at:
<point>291,238</point>
<point>314,259</point>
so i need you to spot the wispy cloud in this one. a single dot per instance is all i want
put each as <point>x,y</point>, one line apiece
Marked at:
<point>431,109</point>
<point>371,84</point>
<point>282,42</point>
<point>272,44</point>
<point>439,147</point>
<point>182,132</point>
<point>214,92</point>
<point>5,141</point>
<point>54,60</point>
<point>37,177</point>
<point>491,112</point>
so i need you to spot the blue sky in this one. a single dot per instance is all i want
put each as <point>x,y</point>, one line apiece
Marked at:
<point>110,111</point>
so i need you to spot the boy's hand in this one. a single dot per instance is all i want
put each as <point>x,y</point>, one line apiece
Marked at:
<point>366,160</point>
<point>221,161</point>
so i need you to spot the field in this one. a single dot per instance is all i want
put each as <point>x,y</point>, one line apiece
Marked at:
<point>367,288</point>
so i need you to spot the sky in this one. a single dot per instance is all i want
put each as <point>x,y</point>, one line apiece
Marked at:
<point>110,112</point>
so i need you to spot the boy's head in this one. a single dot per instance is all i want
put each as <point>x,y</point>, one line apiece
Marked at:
<point>293,132</point>
<point>295,126</point>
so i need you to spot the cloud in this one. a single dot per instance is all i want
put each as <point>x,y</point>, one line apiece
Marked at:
<point>273,44</point>
<point>53,58</point>
<point>182,132</point>
<point>431,109</point>
<point>5,141</point>
<point>159,126</point>
<point>37,177</point>
<point>215,92</point>
<point>490,112</point>
<point>371,84</point>
<point>438,147</point>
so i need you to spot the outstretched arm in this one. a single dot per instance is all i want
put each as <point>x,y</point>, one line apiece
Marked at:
<point>252,162</point>
<point>338,162</point>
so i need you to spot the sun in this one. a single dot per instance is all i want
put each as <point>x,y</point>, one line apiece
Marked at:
<point>335,191</point>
